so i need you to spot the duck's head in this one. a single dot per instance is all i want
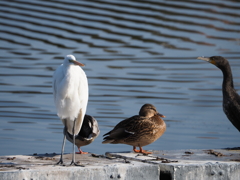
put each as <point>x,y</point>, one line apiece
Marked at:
<point>70,59</point>
<point>149,110</point>
<point>218,61</point>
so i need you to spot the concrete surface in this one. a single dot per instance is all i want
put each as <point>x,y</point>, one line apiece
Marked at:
<point>220,164</point>
<point>41,167</point>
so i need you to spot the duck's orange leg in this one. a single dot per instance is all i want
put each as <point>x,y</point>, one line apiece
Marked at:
<point>81,152</point>
<point>141,150</point>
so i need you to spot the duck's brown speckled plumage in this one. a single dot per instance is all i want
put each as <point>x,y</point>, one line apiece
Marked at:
<point>139,130</point>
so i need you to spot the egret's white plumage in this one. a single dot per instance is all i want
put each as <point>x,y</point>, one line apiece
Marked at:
<point>70,89</point>
<point>70,92</point>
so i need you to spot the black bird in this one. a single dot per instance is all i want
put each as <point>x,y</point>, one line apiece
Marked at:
<point>89,131</point>
<point>231,100</point>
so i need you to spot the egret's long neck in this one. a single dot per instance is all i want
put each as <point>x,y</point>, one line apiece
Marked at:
<point>69,82</point>
<point>67,69</point>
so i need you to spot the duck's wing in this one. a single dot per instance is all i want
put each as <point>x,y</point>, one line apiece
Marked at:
<point>123,129</point>
<point>95,127</point>
<point>89,128</point>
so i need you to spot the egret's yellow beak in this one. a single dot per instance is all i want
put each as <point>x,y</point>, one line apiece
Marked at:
<point>76,63</point>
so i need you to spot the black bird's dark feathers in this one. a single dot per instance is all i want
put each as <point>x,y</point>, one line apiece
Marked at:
<point>231,99</point>
<point>87,130</point>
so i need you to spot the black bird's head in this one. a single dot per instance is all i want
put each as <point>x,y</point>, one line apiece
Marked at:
<point>218,61</point>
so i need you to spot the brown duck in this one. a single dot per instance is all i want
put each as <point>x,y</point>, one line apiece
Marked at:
<point>139,130</point>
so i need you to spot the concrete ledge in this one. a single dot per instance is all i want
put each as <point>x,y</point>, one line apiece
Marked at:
<point>191,164</point>
<point>218,164</point>
<point>98,167</point>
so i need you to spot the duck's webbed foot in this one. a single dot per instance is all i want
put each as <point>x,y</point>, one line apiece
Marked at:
<point>81,152</point>
<point>141,150</point>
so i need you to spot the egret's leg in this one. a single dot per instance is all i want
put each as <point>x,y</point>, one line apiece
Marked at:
<point>73,151</point>
<point>63,144</point>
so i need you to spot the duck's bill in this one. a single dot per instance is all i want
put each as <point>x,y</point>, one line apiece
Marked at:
<point>161,115</point>
<point>204,58</point>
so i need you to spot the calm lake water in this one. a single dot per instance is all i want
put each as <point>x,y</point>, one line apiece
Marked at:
<point>135,52</point>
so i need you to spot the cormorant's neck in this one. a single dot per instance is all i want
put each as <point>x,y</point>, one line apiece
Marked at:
<point>227,77</point>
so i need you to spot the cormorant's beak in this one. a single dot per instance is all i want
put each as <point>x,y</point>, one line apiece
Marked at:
<point>161,115</point>
<point>207,59</point>
<point>204,59</point>
<point>76,63</point>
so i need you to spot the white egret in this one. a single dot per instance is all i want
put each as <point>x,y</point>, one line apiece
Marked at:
<point>70,89</point>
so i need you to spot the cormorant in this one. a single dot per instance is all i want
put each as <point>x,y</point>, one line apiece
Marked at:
<point>231,99</point>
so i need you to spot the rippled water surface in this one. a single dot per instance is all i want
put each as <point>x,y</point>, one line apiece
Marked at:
<point>135,52</point>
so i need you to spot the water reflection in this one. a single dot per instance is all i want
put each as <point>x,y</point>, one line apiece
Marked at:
<point>135,53</point>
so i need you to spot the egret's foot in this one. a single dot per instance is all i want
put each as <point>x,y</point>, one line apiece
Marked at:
<point>75,164</point>
<point>60,162</point>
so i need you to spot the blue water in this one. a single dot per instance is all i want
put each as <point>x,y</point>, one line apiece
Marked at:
<point>134,52</point>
